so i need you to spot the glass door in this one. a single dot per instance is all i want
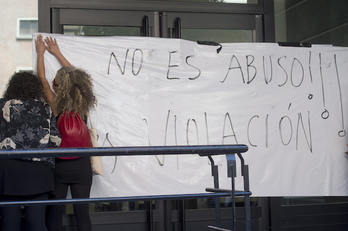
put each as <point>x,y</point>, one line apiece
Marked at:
<point>94,22</point>
<point>221,28</point>
<point>217,27</point>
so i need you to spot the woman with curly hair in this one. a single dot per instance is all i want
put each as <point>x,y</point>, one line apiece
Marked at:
<point>72,99</point>
<point>26,122</point>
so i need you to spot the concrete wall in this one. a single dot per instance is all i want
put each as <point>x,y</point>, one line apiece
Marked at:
<point>14,53</point>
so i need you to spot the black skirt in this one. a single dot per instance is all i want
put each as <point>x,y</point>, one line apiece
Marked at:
<point>73,171</point>
<point>22,177</point>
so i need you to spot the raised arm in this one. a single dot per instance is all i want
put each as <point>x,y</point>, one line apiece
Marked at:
<point>53,48</point>
<point>49,95</point>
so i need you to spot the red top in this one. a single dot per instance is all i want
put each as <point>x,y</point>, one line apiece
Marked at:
<point>74,132</point>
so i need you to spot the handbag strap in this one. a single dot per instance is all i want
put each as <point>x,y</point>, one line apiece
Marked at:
<point>89,121</point>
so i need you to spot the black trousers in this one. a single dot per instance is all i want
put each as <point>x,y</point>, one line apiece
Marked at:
<point>34,214</point>
<point>81,211</point>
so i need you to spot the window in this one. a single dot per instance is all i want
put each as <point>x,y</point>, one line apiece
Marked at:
<point>24,69</point>
<point>315,22</point>
<point>26,27</point>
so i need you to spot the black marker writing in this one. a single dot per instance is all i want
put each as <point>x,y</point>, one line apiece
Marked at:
<point>141,57</point>
<point>108,140</point>
<point>199,71</point>
<point>310,66</point>
<point>286,74</point>
<point>268,77</point>
<point>188,129</point>
<point>248,130</point>
<point>171,65</point>
<point>281,128</point>
<point>342,132</point>
<point>118,64</point>
<point>295,63</point>
<point>138,57</point>
<point>309,136</point>
<point>232,132</point>
<point>250,59</point>
<point>161,163</point>
<point>232,67</point>
<point>325,114</point>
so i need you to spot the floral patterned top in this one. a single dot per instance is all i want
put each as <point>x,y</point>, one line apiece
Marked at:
<point>28,124</point>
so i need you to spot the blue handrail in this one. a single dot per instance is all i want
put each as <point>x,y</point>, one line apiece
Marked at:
<point>126,151</point>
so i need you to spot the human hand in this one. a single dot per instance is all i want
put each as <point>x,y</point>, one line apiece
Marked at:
<point>52,45</point>
<point>40,45</point>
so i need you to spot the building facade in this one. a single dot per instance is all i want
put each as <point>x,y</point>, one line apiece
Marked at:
<point>18,22</point>
<point>293,21</point>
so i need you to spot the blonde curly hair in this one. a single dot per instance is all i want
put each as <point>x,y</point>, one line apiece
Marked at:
<point>75,91</point>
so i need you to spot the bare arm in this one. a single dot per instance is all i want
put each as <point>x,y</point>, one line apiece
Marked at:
<point>53,48</point>
<point>49,95</point>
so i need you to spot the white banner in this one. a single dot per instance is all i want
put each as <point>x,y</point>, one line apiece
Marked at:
<point>288,104</point>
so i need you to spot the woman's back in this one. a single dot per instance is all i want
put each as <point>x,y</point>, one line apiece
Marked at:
<point>26,124</point>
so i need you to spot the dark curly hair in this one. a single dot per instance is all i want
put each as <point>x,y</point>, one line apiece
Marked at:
<point>24,86</point>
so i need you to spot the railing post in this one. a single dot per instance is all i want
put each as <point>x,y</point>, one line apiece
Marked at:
<point>215,174</point>
<point>233,198</point>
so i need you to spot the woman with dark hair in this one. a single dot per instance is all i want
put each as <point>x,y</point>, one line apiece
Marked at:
<point>26,122</point>
<point>71,99</point>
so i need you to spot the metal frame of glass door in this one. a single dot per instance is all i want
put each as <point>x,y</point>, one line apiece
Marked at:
<point>54,14</point>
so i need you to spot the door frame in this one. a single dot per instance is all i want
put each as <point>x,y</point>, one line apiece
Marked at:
<point>53,14</point>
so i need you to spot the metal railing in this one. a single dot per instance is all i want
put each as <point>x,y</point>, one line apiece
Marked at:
<point>202,150</point>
